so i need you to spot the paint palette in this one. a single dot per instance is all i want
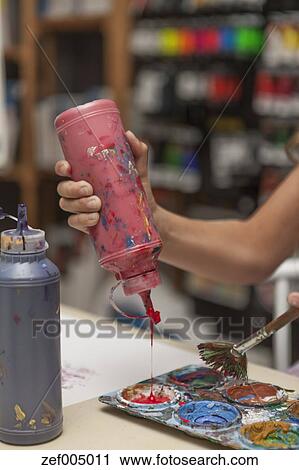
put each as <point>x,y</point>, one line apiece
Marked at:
<point>201,403</point>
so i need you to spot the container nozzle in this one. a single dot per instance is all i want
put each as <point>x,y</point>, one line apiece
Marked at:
<point>22,219</point>
<point>24,239</point>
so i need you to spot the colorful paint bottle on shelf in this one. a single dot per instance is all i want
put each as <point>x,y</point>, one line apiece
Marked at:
<point>30,362</point>
<point>126,239</point>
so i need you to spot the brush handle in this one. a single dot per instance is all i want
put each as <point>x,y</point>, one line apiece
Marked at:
<point>267,331</point>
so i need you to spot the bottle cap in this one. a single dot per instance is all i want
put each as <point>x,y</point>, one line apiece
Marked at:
<point>24,239</point>
<point>94,108</point>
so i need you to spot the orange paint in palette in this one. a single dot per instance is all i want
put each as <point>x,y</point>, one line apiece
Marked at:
<point>293,411</point>
<point>255,394</point>
<point>272,435</point>
<point>210,395</point>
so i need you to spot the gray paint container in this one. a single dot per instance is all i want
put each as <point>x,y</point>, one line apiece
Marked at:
<point>30,361</point>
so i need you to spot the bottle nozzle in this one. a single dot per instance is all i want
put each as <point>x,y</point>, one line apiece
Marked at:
<point>24,239</point>
<point>22,219</point>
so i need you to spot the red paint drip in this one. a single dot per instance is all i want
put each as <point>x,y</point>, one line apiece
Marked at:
<point>155,318</point>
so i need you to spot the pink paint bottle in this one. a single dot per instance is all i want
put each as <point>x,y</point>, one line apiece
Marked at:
<point>126,239</point>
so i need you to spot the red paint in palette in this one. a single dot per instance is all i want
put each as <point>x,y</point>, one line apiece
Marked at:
<point>143,394</point>
<point>151,399</point>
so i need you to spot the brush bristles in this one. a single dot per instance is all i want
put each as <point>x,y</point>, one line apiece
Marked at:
<point>219,356</point>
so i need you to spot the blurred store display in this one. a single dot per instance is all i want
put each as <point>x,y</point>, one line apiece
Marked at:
<point>159,89</point>
<point>277,93</point>
<point>234,155</point>
<point>218,69</point>
<point>192,6</point>
<point>211,85</point>
<point>9,27</point>
<point>275,133</point>
<point>235,35</point>
<point>282,47</point>
<point>79,40</point>
<point>48,149</point>
<point>58,8</point>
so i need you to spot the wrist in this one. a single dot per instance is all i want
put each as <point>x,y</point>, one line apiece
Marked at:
<point>160,218</point>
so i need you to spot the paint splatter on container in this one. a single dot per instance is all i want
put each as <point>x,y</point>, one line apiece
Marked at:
<point>209,414</point>
<point>271,435</point>
<point>255,394</point>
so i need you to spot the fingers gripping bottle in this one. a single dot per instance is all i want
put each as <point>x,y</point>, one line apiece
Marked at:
<point>126,238</point>
<point>30,365</point>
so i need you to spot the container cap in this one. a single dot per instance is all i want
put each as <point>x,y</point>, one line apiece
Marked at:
<point>141,283</point>
<point>24,239</point>
<point>71,115</point>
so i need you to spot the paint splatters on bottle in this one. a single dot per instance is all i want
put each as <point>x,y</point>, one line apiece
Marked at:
<point>104,222</point>
<point>45,267</point>
<point>20,414</point>
<point>130,243</point>
<point>48,414</point>
<point>17,319</point>
<point>32,424</point>
<point>146,238</point>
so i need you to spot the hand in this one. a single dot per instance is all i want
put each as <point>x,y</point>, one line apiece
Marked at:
<point>293,299</point>
<point>78,197</point>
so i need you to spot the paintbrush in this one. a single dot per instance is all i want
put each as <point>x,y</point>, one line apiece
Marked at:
<point>230,358</point>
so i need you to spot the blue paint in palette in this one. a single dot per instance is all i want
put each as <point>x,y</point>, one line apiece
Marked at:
<point>209,414</point>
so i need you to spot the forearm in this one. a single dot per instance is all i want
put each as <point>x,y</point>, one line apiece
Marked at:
<point>215,250</point>
<point>245,252</point>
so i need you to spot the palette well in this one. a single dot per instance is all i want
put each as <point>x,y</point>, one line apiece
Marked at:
<point>201,403</point>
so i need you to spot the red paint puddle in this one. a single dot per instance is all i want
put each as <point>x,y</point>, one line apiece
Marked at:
<point>151,399</point>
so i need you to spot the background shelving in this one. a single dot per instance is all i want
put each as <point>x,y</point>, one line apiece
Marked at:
<point>172,67</point>
<point>26,65</point>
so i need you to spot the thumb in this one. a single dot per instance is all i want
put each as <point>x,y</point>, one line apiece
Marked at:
<point>293,299</point>
<point>140,152</point>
